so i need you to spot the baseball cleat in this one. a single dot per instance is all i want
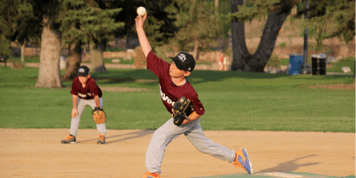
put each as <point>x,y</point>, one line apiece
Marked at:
<point>101,139</point>
<point>242,160</point>
<point>69,139</point>
<point>151,175</point>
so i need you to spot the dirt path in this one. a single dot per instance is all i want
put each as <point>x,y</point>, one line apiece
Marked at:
<point>38,153</point>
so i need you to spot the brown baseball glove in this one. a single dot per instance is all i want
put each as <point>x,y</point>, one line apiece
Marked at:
<point>182,108</point>
<point>99,115</point>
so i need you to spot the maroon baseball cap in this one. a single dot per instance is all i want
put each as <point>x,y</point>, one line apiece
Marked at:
<point>83,71</point>
<point>184,61</point>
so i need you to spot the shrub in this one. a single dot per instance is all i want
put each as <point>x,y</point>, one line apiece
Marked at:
<point>17,64</point>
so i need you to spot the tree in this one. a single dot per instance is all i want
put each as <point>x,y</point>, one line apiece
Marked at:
<point>339,14</point>
<point>329,19</point>
<point>30,18</point>
<point>158,27</point>
<point>86,22</point>
<point>17,24</point>
<point>277,11</point>
<point>49,72</point>
<point>200,24</point>
<point>4,46</point>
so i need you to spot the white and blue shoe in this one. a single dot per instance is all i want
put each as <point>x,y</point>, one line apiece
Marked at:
<point>242,160</point>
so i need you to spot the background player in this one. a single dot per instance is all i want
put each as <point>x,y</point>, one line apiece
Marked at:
<point>85,92</point>
<point>173,85</point>
<point>222,62</point>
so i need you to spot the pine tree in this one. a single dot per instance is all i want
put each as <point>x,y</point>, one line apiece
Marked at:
<point>86,22</point>
<point>329,19</point>
<point>199,25</point>
<point>17,24</point>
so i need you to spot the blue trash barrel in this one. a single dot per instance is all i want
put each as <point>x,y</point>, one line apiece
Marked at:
<point>295,64</point>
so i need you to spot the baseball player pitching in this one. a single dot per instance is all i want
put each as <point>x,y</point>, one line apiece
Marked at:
<point>177,93</point>
<point>85,92</point>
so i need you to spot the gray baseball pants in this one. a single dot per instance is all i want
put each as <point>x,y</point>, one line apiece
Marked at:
<point>193,131</point>
<point>81,104</point>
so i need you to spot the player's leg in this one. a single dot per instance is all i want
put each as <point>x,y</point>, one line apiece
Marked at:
<point>196,136</point>
<point>203,144</point>
<point>74,125</point>
<point>159,142</point>
<point>101,127</point>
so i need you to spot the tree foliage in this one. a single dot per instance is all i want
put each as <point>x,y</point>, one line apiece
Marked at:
<point>86,22</point>
<point>199,23</point>
<point>17,23</point>
<point>158,27</point>
<point>257,9</point>
<point>329,19</point>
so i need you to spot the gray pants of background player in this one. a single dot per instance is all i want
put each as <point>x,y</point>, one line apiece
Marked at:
<point>81,104</point>
<point>168,132</point>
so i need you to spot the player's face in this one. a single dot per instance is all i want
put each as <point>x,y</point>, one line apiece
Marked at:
<point>175,72</point>
<point>83,79</point>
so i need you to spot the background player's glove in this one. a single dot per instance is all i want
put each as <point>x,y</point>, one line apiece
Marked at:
<point>99,115</point>
<point>182,108</point>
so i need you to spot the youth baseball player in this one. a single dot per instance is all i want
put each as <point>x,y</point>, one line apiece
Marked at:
<point>85,92</point>
<point>173,85</point>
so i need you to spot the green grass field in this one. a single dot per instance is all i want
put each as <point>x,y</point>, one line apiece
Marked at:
<point>232,100</point>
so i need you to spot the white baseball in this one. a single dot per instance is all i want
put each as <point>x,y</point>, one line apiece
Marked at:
<point>141,10</point>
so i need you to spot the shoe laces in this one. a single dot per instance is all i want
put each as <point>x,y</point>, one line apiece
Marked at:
<point>69,137</point>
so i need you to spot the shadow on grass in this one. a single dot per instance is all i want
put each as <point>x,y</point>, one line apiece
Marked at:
<point>119,76</point>
<point>129,75</point>
<point>289,166</point>
<point>115,76</point>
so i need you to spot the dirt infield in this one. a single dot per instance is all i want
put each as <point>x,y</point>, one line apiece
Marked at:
<point>38,153</point>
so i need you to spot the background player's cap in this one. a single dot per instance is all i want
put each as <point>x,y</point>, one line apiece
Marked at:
<point>184,61</point>
<point>83,71</point>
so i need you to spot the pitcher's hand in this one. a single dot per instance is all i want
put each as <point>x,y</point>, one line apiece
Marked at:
<point>140,21</point>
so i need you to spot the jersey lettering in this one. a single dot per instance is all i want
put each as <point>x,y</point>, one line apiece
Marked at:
<point>165,97</point>
<point>82,95</point>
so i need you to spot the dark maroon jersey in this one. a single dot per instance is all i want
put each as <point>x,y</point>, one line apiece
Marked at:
<point>170,93</point>
<point>91,89</point>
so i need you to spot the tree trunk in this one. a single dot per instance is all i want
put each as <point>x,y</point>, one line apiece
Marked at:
<point>242,59</point>
<point>73,61</point>
<point>23,52</point>
<point>96,58</point>
<point>49,73</point>
<point>239,48</point>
